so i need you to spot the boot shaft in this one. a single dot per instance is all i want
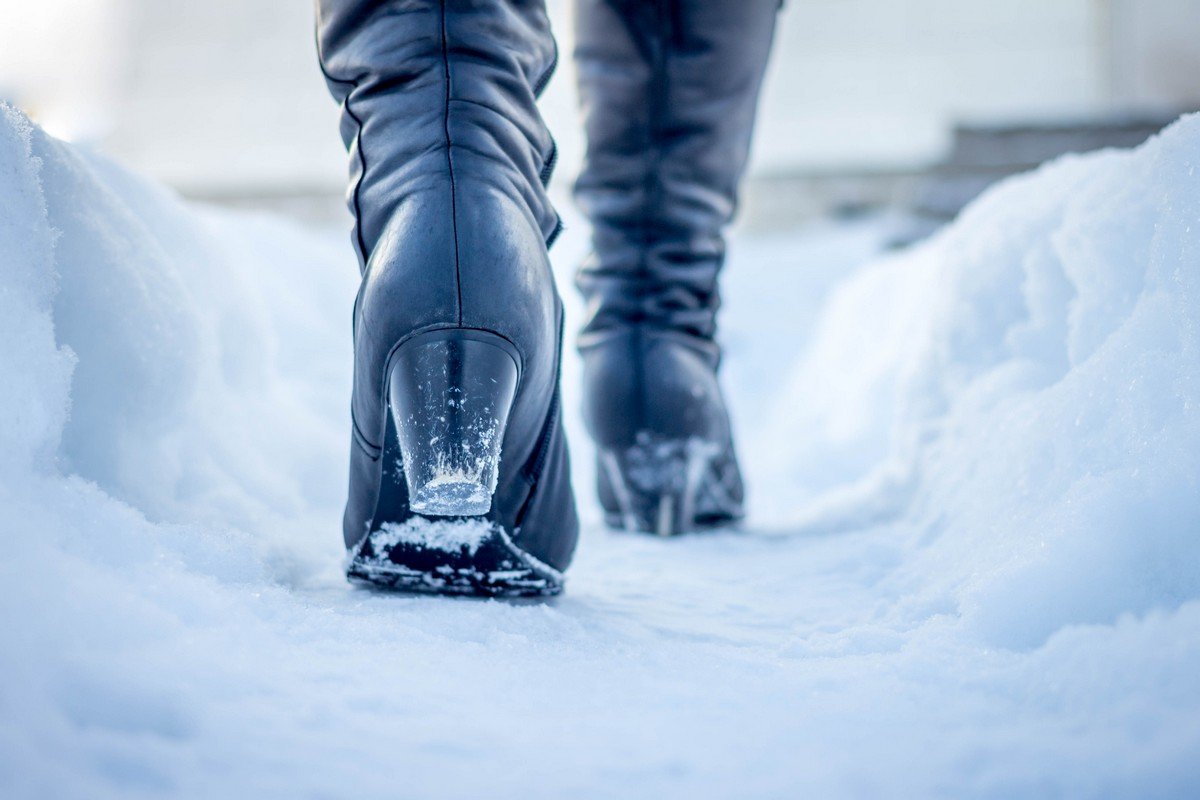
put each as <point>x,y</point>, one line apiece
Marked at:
<point>448,160</point>
<point>438,92</point>
<point>668,90</point>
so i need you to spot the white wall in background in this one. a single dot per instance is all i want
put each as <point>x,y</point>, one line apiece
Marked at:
<point>225,95</point>
<point>63,61</point>
<point>877,82</point>
<point>1153,52</point>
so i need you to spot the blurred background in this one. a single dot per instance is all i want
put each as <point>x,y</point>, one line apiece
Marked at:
<point>907,105</point>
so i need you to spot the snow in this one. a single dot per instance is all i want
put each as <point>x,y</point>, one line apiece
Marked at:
<point>436,534</point>
<point>972,569</point>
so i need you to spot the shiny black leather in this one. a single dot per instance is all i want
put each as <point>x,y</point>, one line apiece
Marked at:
<point>669,90</point>
<point>449,160</point>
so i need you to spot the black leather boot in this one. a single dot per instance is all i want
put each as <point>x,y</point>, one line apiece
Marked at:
<point>669,89</point>
<point>458,479</point>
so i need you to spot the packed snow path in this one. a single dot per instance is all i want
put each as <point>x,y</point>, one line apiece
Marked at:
<point>973,569</point>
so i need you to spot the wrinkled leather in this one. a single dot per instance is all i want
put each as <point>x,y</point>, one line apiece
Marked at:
<point>669,90</point>
<point>449,159</point>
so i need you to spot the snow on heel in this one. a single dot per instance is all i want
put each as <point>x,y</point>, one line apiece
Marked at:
<point>450,393</point>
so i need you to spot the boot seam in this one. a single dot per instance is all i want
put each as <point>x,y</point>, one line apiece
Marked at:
<point>550,163</point>
<point>362,167</point>
<point>651,186</point>
<point>370,450</point>
<point>533,468</point>
<point>558,229</point>
<point>356,205</point>
<point>544,79</point>
<point>450,162</point>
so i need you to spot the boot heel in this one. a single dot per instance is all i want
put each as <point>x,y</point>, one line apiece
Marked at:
<point>668,486</point>
<point>450,394</point>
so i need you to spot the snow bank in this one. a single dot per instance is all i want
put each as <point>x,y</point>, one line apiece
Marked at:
<point>977,571</point>
<point>1023,391</point>
<point>157,363</point>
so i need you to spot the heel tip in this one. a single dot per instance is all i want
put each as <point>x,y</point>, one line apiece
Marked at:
<point>452,498</point>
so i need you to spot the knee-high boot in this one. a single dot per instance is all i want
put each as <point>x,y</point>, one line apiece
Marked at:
<point>458,479</point>
<point>669,90</point>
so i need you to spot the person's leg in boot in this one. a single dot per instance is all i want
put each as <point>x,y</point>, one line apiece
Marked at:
<point>669,90</point>
<point>458,478</point>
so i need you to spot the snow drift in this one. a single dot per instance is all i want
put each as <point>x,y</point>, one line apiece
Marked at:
<point>976,571</point>
<point>1023,392</point>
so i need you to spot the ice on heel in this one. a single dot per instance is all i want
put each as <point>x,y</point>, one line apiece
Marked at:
<point>450,394</point>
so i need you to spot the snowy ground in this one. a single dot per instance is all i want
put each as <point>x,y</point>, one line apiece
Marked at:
<point>973,569</point>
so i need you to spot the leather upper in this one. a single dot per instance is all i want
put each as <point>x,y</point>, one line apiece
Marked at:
<point>449,159</point>
<point>669,90</point>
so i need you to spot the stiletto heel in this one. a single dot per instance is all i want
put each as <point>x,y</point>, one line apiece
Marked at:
<point>450,394</point>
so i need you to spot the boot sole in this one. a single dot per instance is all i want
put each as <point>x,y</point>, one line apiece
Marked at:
<point>450,557</point>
